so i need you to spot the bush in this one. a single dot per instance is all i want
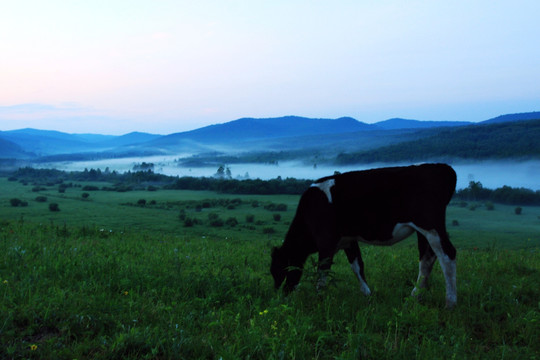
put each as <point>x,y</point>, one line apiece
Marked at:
<point>269,230</point>
<point>85,195</point>
<point>141,202</point>
<point>188,222</point>
<point>54,207</point>
<point>518,210</point>
<point>250,218</point>
<point>90,188</point>
<point>41,199</point>
<point>232,222</point>
<point>15,202</point>
<point>277,217</point>
<point>490,206</point>
<point>215,220</point>
<point>276,207</point>
<point>216,223</point>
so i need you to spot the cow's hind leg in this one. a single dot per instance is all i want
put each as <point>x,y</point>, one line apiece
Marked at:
<point>446,253</point>
<point>425,265</point>
<point>355,259</point>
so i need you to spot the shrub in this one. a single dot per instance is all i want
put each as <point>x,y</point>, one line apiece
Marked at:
<point>473,207</point>
<point>85,195</point>
<point>215,220</point>
<point>250,218</point>
<point>255,204</point>
<point>269,230</point>
<point>276,207</point>
<point>518,210</point>
<point>277,217</point>
<point>490,206</point>
<point>141,202</point>
<point>41,199</point>
<point>188,222</point>
<point>232,222</point>
<point>455,223</point>
<point>54,207</point>
<point>15,202</point>
<point>90,188</point>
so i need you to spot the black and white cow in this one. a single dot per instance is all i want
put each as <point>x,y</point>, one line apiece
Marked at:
<point>380,207</point>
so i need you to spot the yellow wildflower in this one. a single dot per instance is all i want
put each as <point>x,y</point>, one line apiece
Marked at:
<point>33,347</point>
<point>126,293</point>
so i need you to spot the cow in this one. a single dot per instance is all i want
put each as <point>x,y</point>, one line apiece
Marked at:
<point>378,206</point>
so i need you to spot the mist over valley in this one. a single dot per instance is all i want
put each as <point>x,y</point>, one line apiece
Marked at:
<point>496,152</point>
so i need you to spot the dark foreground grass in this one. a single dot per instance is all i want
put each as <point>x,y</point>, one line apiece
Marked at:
<point>70,293</point>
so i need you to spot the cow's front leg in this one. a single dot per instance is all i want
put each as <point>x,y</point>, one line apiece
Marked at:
<point>357,265</point>
<point>323,268</point>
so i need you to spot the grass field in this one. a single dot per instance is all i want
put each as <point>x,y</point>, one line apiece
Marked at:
<point>110,277</point>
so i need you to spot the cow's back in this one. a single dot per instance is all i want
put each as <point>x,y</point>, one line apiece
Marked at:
<point>370,203</point>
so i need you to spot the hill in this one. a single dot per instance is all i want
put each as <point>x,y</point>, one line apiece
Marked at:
<point>299,137</point>
<point>247,129</point>
<point>10,150</point>
<point>30,143</point>
<point>399,123</point>
<point>514,117</point>
<point>517,139</point>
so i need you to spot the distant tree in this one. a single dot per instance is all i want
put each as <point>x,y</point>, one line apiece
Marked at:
<point>220,173</point>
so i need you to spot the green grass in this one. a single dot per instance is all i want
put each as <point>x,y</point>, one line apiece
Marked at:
<point>102,280</point>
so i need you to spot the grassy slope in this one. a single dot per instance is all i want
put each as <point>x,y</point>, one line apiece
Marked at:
<point>151,288</point>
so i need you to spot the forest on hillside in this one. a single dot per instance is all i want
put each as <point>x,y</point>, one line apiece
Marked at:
<point>479,142</point>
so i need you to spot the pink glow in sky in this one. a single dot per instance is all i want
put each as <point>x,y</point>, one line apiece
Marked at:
<point>167,66</point>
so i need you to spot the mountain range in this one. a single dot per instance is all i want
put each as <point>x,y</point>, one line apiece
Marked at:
<point>291,135</point>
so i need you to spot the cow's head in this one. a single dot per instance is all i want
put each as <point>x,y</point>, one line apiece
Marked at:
<point>279,265</point>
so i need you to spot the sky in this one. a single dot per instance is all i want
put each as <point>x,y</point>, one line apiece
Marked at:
<point>165,66</point>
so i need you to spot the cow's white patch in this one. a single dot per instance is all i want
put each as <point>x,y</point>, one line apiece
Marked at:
<point>363,286</point>
<point>448,265</point>
<point>325,187</point>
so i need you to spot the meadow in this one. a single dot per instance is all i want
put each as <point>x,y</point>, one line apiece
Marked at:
<point>172,274</point>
